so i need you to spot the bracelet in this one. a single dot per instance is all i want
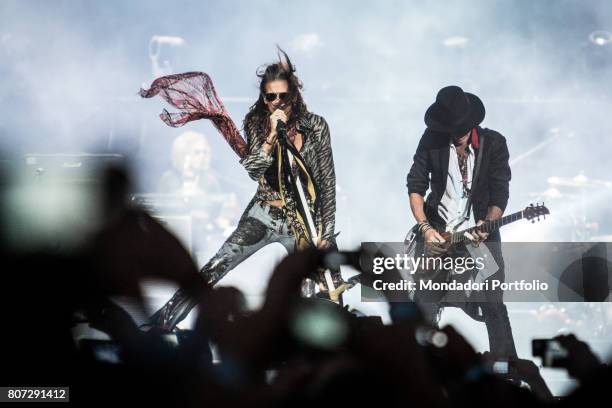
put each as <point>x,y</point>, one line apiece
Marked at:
<point>424,226</point>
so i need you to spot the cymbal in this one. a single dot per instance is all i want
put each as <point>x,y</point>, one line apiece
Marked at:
<point>551,194</point>
<point>601,238</point>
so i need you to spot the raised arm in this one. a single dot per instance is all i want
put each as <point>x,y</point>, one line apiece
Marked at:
<point>259,157</point>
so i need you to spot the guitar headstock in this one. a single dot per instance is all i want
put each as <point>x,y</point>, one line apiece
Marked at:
<point>533,212</point>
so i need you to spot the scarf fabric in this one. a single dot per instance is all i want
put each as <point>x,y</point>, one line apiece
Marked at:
<point>300,210</point>
<point>194,94</point>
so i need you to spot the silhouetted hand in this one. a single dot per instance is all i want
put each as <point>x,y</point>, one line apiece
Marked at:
<point>134,246</point>
<point>581,361</point>
<point>527,371</point>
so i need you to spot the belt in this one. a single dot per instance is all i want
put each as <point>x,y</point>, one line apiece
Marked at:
<point>274,212</point>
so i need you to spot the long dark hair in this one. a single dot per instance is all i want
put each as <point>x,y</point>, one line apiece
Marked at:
<point>282,70</point>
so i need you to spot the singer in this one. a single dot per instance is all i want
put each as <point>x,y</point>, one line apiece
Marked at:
<point>290,157</point>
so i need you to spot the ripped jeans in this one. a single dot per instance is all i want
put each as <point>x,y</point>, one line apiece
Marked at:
<point>260,225</point>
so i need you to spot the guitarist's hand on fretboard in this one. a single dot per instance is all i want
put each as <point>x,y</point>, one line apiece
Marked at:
<point>478,236</point>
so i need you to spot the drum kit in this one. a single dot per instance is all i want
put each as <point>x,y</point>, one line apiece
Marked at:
<point>573,193</point>
<point>195,220</point>
<point>576,195</point>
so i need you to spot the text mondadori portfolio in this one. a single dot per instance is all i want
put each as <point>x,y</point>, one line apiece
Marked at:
<point>493,284</point>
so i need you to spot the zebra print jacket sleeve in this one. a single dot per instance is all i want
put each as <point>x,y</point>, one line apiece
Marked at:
<point>324,174</point>
<point>256,162</point>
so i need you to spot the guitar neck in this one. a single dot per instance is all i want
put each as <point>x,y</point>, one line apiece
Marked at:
<point>488,226</point>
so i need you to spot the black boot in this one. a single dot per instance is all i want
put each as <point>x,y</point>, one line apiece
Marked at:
<point>173,312</point>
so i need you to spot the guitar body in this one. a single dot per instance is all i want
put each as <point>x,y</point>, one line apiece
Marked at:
<point>414,246</point>
<point>414,242</point>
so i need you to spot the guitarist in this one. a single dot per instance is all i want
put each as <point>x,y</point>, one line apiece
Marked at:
<point>466,169</point>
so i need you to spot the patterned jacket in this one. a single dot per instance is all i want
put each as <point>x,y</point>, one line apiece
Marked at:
<point>317,153</point>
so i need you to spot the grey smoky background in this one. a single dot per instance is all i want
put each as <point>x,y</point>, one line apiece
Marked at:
<point>70,72</point>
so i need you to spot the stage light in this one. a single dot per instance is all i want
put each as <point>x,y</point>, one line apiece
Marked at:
<point>155,46</point>
<point>598,52</point>
<point>600,37</point>
<point>456,42</point>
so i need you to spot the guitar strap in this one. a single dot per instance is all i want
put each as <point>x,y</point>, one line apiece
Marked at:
<point>466,211</point>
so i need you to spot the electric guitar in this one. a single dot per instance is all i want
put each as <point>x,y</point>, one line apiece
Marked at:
<point>531,213</point>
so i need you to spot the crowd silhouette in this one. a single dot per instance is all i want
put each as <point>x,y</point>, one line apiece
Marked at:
<point>292,352</point>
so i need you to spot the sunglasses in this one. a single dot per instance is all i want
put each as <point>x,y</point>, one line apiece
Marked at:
<point>271,96</point>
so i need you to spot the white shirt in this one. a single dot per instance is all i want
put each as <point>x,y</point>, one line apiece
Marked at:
<point>452,208</point>
<point>453,202</point>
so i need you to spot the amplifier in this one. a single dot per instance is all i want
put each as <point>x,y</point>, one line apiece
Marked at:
<point>67,167</point>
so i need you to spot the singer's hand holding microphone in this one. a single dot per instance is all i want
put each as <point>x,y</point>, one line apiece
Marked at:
<point>275,117</point>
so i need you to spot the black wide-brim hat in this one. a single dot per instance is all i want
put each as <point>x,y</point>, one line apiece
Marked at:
<point>454,111</point>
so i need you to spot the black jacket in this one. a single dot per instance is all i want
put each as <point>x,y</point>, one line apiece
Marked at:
<point>430,169</point>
